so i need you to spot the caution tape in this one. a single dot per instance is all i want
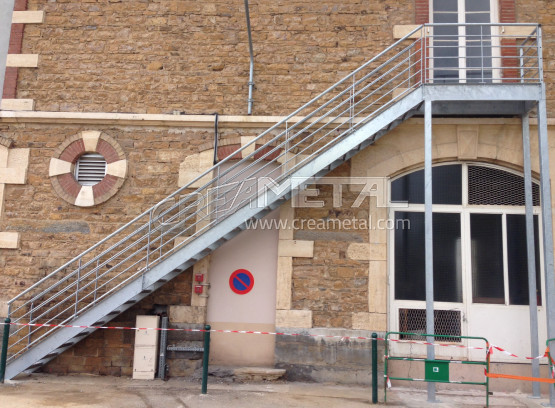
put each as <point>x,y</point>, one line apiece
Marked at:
<point>490,350</point>
<point>492,347</point>
<point>519,377</point>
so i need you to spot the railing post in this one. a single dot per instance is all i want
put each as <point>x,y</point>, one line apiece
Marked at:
<point>95,281</point>
<point>77,286</point>
<point>521,52</point>
<point>4,355</point>
<point>205,358</point>
<point>30,331</point>
<point>148,240</point>
<point>481,52</point>
<point>423,51</point>
<point>374,368</point>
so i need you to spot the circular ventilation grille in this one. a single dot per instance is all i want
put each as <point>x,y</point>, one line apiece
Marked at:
<point>90,169</point>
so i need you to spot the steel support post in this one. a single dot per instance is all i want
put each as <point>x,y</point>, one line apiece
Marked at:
<point>547,222</point>
<point>429,252</point>
<point>547,216</point>
<point>6,14</point>
<point>531,254</point>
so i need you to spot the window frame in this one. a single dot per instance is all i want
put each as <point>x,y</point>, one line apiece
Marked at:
<point>465,210</point>
<point>461,19</point>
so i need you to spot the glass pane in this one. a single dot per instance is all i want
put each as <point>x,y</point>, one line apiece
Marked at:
<point>476,5</point>
<point>445,5</point>
<point>410,281</point>
<point>488,186</point>
<point>446,18</point>
<point>517,258</point>
<point>446,186</point>
<point>487,258</point>
<point>446,49</point>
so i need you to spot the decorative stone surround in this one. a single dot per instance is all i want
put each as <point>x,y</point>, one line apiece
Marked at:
<point>13,170</point>
<point>196,164</point>
<point>287,249</point>
<point>62,167</point>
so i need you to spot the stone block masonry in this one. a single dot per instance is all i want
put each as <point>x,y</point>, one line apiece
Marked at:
<point>110,352</point>
<point>191,56</point>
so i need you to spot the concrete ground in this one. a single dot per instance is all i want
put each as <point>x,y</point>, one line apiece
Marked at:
<point>106,392</point>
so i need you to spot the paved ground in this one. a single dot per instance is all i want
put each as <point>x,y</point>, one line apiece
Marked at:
<point>47,391</point>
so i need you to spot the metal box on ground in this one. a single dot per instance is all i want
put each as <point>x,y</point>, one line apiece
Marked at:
<point>145,356</point>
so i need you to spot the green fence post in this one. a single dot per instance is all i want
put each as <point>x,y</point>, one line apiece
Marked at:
<point>4,356</point>
<point>374,368</point>
<point>205,357</point>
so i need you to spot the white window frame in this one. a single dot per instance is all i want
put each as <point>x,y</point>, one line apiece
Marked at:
<point>495,41</point>
<point>465,210</point>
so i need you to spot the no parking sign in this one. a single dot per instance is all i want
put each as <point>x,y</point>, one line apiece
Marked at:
<point>241,281</point>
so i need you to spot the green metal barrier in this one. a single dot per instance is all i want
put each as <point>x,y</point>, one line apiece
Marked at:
<point>436,370</point>
<point>205,358</point>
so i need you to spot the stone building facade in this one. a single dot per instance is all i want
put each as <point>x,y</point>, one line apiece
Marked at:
<point>147,78</point>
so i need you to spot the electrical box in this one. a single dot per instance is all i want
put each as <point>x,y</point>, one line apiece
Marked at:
<point>437,370</point>
<point>145,357</point>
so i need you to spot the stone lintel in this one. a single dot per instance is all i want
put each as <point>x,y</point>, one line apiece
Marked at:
<point>187,314</point>
<point>294,318</point>
<point>369,321</point>
<point>9,240</point>
<point>296,248</point>
<point>11,175</point>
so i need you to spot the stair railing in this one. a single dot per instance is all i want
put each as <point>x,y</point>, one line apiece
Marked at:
<point>275,155</point>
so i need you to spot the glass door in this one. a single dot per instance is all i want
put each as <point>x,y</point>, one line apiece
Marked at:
<point>463,53</point>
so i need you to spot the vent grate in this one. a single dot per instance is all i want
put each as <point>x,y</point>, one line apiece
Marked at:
<point>90,169</point>
<point>446,323</point>
<point>488,186</point>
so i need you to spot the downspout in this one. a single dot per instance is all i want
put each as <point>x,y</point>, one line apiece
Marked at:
<point>215,139</point>
<point>251,70</point>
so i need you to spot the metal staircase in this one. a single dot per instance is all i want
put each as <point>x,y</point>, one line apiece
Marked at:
<point>161,243</point>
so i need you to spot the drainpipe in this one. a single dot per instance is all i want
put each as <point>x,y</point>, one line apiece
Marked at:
<point>215,139</point>
<point>6,13</point>
<point>251,70</point>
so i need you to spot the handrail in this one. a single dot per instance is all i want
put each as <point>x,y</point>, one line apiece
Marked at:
<point>221,162</point>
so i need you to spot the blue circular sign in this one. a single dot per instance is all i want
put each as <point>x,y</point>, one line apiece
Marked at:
<point>241,281</point>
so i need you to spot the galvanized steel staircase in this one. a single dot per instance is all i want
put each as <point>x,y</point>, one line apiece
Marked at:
<point>165,240</point>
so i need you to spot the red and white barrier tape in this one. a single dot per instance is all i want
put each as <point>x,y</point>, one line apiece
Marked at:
<point>490,351</point>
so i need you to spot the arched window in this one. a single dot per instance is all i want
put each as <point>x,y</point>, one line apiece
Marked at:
<point>480,255</point>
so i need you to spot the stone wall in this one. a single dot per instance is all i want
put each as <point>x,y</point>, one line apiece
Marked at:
<point>321,359</point>
<point>53,231</point>
<point>330,284</point>
<point>159,56</point>
<point>110,352</point>
<point>151,57</point>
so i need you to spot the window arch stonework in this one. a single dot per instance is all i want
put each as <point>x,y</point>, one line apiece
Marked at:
<point>62,167</point>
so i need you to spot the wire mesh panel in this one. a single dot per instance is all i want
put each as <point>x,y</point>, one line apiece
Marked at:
<point>446,323</point>
<point>489,186</point>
